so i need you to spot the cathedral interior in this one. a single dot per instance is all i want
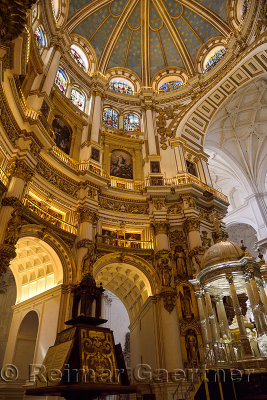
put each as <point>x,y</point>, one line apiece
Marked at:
<point>133,177</point>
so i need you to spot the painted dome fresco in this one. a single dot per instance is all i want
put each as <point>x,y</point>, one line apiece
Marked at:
<point>149,36</point>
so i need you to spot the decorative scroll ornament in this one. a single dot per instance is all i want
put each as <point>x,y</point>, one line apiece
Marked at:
<point>169,299</point>
<point>20,169</point>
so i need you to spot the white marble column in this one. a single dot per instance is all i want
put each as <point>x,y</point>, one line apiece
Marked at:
<point>202,318</point>
<point>213,326</point>
<point>240,321</point>
<point>223,322</point>
<point>150,132</point>
<point>97,117</point>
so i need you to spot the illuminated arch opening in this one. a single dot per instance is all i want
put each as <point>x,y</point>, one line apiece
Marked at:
<point>121,85</point>
<point>110,118</point>
<point>36,268</point>
<point>77,98</point>
<point>132,123</point>
<point>61,80</point>
<point>79,57</point>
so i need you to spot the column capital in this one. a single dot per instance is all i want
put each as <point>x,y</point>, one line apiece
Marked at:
<point>12,202</point>
<point>161,227</point>
<point>230,279</point>
<point>87,215</point>
<point>192,224</point>
<point>20,169</point>
<point>247,275</point>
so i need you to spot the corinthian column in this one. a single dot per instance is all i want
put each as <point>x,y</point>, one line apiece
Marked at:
<point>243,334</point>
<point>10,213</point>
<point>202,318</point>
<point>85,241</point>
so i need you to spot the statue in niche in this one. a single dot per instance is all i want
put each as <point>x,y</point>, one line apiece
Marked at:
<point>13,227</point>
<point>186,303</point>
<point>180,261</point>
<point>206,242</point>
<point>191,345</point>
<point>166,272</point>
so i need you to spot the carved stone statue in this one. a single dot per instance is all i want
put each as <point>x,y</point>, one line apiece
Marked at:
<point>180,260</point>
<point>206,242</point>
<point>88,261</point>
<point>166,273</point>
<point>13,228</point>
<point>186,304</point>
<point>191,344</point>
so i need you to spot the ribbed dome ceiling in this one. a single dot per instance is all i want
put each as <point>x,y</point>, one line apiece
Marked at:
<point>148,35</point>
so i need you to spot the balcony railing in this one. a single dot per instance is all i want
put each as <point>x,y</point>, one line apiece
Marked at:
<point>127,243</point>
<point>84,166</point>
<point>3,177</point>
<point>135,185</point>
<point>47,216</point>
<point>128,184</point>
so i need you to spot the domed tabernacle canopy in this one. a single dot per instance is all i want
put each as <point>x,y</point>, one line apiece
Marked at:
<point>222,252</point>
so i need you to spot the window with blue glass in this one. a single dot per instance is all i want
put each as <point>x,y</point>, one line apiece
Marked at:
<point>215,59</point>
<point>77,58</point>
<point>170,86</point>
<point>39,37</point>
<point>77,98</point>
<point>132,123</point>
<point>121,87</point>
<point>245,9</point>
<point>110,117</point>
<point>61,81</point>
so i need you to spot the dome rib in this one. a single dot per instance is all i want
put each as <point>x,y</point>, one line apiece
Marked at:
<point>210,16</point>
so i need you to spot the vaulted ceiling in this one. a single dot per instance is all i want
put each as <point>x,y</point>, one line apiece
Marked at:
<point>148,35</point>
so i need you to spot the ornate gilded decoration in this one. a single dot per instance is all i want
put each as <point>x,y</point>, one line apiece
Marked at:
<point>57,179</point>
<point>7,253</point>
<point>21,170</point>
<point>192,224</point>
<point>161,227</point>
<point>124,206</point>
<point>206,242</point>
<point>13,18</point>
<point>13,227</point>
<point>87,215</point>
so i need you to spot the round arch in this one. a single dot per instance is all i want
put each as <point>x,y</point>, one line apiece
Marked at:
<point>59,246</point>
<point>130,278</point>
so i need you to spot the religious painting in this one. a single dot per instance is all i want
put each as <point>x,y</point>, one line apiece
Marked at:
<point>191,168</point>
<point>95,154</point>
<point>121,164</point>
<point>154,167</point>
<point>62,134</point>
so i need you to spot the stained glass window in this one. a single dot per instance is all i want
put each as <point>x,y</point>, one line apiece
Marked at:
<point>170,86</point>
<point>215,59</point>
<point>39,38</point>
<point>61,81</point>
<point>77,98</point>
<point>132,123</point>
<point>110,117</point>
<point>121,87</point>
<point>245,9</point>
<point>77,58</point>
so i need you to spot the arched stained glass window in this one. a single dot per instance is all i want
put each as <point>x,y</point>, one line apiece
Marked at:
<point>61,81</point>
<point>132,123</point>
<point>40,38</point>
<point>79,57</point>
<point>214,59</point>
<point>110,117</point>
<point>77,98</point>
<point>121,87</point>
<point>170,86</point>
